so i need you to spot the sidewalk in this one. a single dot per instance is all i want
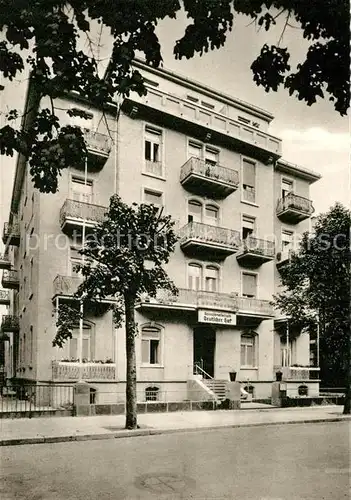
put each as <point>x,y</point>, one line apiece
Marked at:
<point>59,429</point>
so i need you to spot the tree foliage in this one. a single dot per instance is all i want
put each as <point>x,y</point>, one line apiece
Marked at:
<point>115,268</point>
<point>317,281</point>
<point>46,35</point>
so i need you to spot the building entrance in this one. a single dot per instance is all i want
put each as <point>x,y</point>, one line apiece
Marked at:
<point>204,348</point>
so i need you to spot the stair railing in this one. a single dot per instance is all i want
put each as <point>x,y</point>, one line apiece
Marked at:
<point>200,371</point>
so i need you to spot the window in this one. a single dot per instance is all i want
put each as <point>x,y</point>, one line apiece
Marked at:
<point>287,187</point>
<point>75,259</point>
<point>211,215</point>
<point>248,226</point>
<point>207,153</point>
<point>211,156</point>
<point>150,345</point>
<point>194,277</point>
<point>207,105</point>
<point>249,285</point>
<point>285,353</point>
<point>287,240</point>
<point>77,121</point>
<point>153,198</point>
<point>211,279</point>
<point>194,211</point>
<point>208,214</point>
<point>87,348</point>
<point>153,151</point>
<point>247,350</point>
<point>82,191</point>
<point>31,345</point>
<point>249,181</point>
<point>194,149</point>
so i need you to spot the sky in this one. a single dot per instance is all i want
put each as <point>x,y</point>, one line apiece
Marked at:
<point>315,137</point>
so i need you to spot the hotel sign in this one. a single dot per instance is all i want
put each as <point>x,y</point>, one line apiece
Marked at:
<point>216,317</point>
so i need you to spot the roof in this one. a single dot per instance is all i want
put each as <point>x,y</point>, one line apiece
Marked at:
<point>297,170</point>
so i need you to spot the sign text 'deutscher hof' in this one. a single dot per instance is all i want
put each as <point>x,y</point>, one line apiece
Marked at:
<point>216,317</point>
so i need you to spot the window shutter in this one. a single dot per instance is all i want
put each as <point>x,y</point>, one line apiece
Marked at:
<point>249,284</point>
<point>145,351</point>
<point>249,169</point>
<point>73,348</point>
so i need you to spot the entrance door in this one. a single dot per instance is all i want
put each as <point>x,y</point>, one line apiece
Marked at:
<point>204,348</point>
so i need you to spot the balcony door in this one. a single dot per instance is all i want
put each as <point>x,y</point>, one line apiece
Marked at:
<point>82,191</point>
<point>194,211</point>
<point>287,187</point>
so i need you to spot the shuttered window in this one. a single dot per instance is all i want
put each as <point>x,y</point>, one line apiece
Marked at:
<point>249,285</point>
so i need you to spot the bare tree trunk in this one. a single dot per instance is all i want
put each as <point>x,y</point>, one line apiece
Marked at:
<point>131,397</point>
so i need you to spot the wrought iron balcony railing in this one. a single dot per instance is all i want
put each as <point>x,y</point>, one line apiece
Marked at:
<point>295,208</point>
<point>255,251</point>
<point>73,211</point>
<point>197,299</point>
<point>198,235</point>
<point>11,233</point>
<point>67,370</point>
<point>10,323</point>
<point>4,297</point>
<point>10,279</point>
<point>198,175</point>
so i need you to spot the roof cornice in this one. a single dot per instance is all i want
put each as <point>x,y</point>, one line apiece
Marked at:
<point>297,170</point>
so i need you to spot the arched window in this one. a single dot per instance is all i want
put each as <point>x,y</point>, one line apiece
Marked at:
<point>211,215</point>
<point>194,277</point>
<point>211,279</point>
<point>194,211</point>
<point>151,345</point>
<point>248,350</point>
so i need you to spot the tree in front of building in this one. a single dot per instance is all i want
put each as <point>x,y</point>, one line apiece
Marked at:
<point>117,258</point>
<point>47,36</point>
<point>316,284</point>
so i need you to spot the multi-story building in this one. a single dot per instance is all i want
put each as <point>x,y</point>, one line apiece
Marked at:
<point>211,162</point>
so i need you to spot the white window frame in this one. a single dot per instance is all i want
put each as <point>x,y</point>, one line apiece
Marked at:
<point>253,273</point>
<point>250,160</point>
<point>254,233</point>
<point>203,146</point>
<point>204,204</point>
<point>288,179</point>
<point>75,334</point>
<point>284,230</point>
<point>255,351</point>
<point>152,190</point>
<point>90,182</point>
<point>160,328</point>
<point>162,134</point>
<point>203,266</point>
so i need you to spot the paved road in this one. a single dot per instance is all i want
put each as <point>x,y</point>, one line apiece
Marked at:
<point>288,462</point>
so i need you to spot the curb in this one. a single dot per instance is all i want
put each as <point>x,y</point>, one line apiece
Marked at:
<point>156,432</point>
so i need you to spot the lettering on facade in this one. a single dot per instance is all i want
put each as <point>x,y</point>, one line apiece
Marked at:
<point>216,317</point>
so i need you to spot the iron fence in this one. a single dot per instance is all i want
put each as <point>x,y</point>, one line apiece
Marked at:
<point>29,398</point>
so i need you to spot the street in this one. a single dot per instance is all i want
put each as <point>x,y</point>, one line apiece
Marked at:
<point>283,462</point>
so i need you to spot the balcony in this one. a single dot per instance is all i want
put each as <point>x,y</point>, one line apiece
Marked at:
<point>73,213</point>
<point>11,234</point>
<point>5,261</point>
<point>208,241</point>
<point>299,373</point>
<point>99,147</point>
<point>192,300</point>
<point>67,370</point>
<point>209,180</point>
<point>4,298</point>
<point>194,120</point>
<point>10,323</point>
<point>293,208</point>
<point>66,286</point>
<point>283,258</point>
<point>10,280</point>
<point>255,252</point>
